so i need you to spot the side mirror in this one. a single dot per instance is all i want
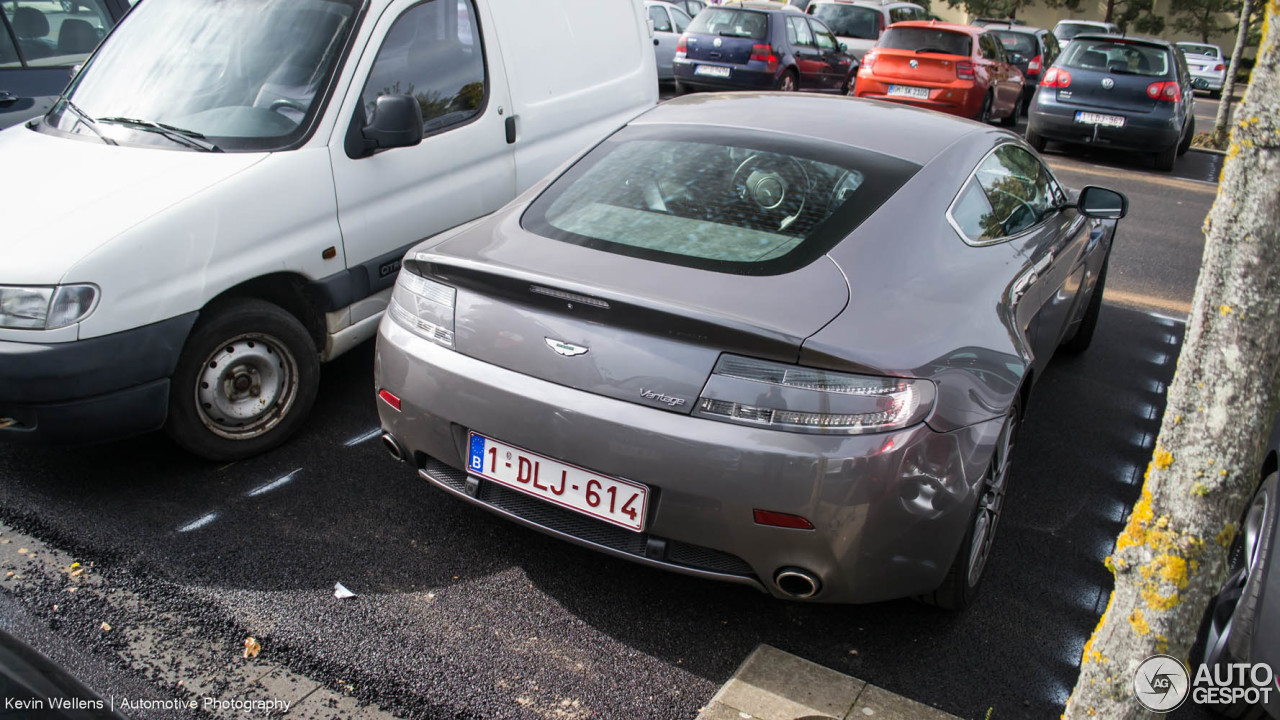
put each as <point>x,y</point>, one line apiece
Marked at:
<point>1099,202</point>
<point>1017,58</point>
<point>844,47</point>
<point>397,122</point>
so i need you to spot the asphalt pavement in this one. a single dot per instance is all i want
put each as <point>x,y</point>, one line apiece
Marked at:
<point>460,614</point>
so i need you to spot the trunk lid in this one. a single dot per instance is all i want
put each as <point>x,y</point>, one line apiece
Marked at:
<point>632,329</point>
<point>730,50</point>
<point>930,67</point>
<point>1128,93</point>
<point>726,35</point>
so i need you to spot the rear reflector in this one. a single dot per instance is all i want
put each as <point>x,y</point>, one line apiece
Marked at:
<point>783,520</point>
<point>389,399</point>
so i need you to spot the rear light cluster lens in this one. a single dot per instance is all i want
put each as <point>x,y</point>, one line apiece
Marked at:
<point>764,53</point>
<point>1219,67</point>
<point>1056,78</point>
<point>798,399</point>
<point>1033,67</point>
<point>964,70</point>
<point>867,61</point>
<point>682,48</point>
<point>1166,91</point>
<point>424,307</point>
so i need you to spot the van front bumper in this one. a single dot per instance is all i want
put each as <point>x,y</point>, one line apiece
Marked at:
<point>93,390</point>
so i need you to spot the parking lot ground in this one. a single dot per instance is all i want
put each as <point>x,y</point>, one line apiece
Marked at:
<point>460,614</point>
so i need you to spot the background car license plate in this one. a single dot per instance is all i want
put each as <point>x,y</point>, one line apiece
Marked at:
<point>712,71</point>
<point>908,91</point>
<point>1089,118</point>
<point>615,501</point>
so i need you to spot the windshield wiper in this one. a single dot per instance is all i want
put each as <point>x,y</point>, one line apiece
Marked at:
<point>87,121</point>
<point>190,138</point>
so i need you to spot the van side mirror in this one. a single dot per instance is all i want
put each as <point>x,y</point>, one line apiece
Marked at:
<point>396,122</point>
<point>1099,202</point>
<point>844,47</point>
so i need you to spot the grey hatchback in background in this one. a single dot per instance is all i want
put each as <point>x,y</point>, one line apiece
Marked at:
<point>795,360</point>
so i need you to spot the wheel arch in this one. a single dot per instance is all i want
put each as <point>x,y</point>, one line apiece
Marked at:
<point>294,293</point>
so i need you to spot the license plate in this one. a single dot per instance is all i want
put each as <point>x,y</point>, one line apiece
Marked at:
<point>615,501</point>
<point>908,91</point>
<point>711,71</point>
<point>1089,118</point>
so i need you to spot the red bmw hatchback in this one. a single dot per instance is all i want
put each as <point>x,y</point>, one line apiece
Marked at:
<point>957,69</point>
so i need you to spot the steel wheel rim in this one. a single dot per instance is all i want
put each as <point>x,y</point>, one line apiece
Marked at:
<point>995,483</point>
<point>246,386</point>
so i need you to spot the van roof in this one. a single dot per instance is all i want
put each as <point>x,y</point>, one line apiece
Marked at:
<point>892,129</point>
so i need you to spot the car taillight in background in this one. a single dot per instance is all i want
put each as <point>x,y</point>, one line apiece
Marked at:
<point>964,70</point>
<point>1056,78</point>
<point>764,53</point>
<point>682,48</point>
<point>1033,67</point>
<point>867,61</point>
<point>1219,67</point>
<point>1167,91</point>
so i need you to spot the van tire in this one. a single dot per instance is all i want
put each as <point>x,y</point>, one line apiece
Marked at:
<point>227,410</point>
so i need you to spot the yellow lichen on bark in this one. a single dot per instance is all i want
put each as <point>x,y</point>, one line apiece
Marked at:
<point>1163,459</point>
<point>1139,623</point>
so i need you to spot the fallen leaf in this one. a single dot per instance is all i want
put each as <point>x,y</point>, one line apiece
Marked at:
<point>8,574</point>
<point>106,627</point>
<point>23,551</point>
<point>251,648</point>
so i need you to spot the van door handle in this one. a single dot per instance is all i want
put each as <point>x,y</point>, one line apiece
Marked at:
<point>511,130</point>
<point>7,97</point>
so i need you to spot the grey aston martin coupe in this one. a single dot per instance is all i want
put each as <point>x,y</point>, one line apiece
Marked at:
<point>791,359</point>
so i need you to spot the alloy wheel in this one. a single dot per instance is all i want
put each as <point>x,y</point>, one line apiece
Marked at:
<point>995,483</point>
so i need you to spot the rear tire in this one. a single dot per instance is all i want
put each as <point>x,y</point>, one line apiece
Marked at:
<point>1083,337</point>
<point>681,88</point>
<point>789,82</point>
<point>1012,119</point>
<point>1165,159</point>
<point>1036,140</point>
<point>1215,94</point>
<point>245,381</point>
<point>964,578</point>
<point>984,112</point>
<point>1185,145</point>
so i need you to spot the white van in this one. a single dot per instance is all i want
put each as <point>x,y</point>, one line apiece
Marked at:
<point>221,200</point>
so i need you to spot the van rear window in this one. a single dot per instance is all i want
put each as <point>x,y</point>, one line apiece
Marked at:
<point>743,202</point>
<point>731,23</point>
<point>926,39</point>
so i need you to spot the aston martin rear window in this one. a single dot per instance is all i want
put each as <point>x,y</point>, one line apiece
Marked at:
<point>749,204</point>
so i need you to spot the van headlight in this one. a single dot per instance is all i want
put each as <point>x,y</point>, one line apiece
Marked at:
<point>45,308</point>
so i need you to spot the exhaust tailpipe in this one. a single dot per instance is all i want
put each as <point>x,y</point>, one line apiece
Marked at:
<point>797,583</point>
<point>392,447</point>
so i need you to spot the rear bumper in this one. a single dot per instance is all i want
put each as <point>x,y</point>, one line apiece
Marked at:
<point>91,390</point>
<point>1144,132</point>
<point>889,510</point>
<point>740,77</point>
<point>961,99</point>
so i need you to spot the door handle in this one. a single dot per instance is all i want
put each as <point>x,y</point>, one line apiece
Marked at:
<point>7,98</point>
<point>511,130</point>
<point>656,43</point>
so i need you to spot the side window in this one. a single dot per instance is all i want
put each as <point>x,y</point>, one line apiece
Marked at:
<point>680,19</point>
<point>53,34</point>
<point>918,13</point>
<point>658,15</point>
<point>433,53</point>
<point>8,51</point>
<point>824,38</point>
<point>1051,49</point>
<point>985,46</point>
<point>899,14</point>
<point>798,32</point>
<point>1010,192</point>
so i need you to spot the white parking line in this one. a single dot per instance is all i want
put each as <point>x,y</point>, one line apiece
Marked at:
<point>272,485</point>
<point>199,523</point>
<point>363,437</point>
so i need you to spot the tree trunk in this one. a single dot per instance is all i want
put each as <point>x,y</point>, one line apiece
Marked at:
<point>1171,557</point>
<point>1229,86</point>
<point>1111,9</point>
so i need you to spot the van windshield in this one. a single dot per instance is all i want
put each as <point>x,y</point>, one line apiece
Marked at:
<point>236,74</point>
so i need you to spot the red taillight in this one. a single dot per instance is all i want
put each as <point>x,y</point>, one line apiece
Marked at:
<point>964,70</point>
<point>784,520</point>
<point>389,399</point>
<point>1056,78</point>
<point>682,46</point>
<point>1033,67</point>
<point>868,60</point>
<point>1219,67</point>
<point>1166,91</point>
<point>764,53</point>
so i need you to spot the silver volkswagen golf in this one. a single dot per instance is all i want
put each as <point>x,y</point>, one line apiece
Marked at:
<point>791,359</point>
